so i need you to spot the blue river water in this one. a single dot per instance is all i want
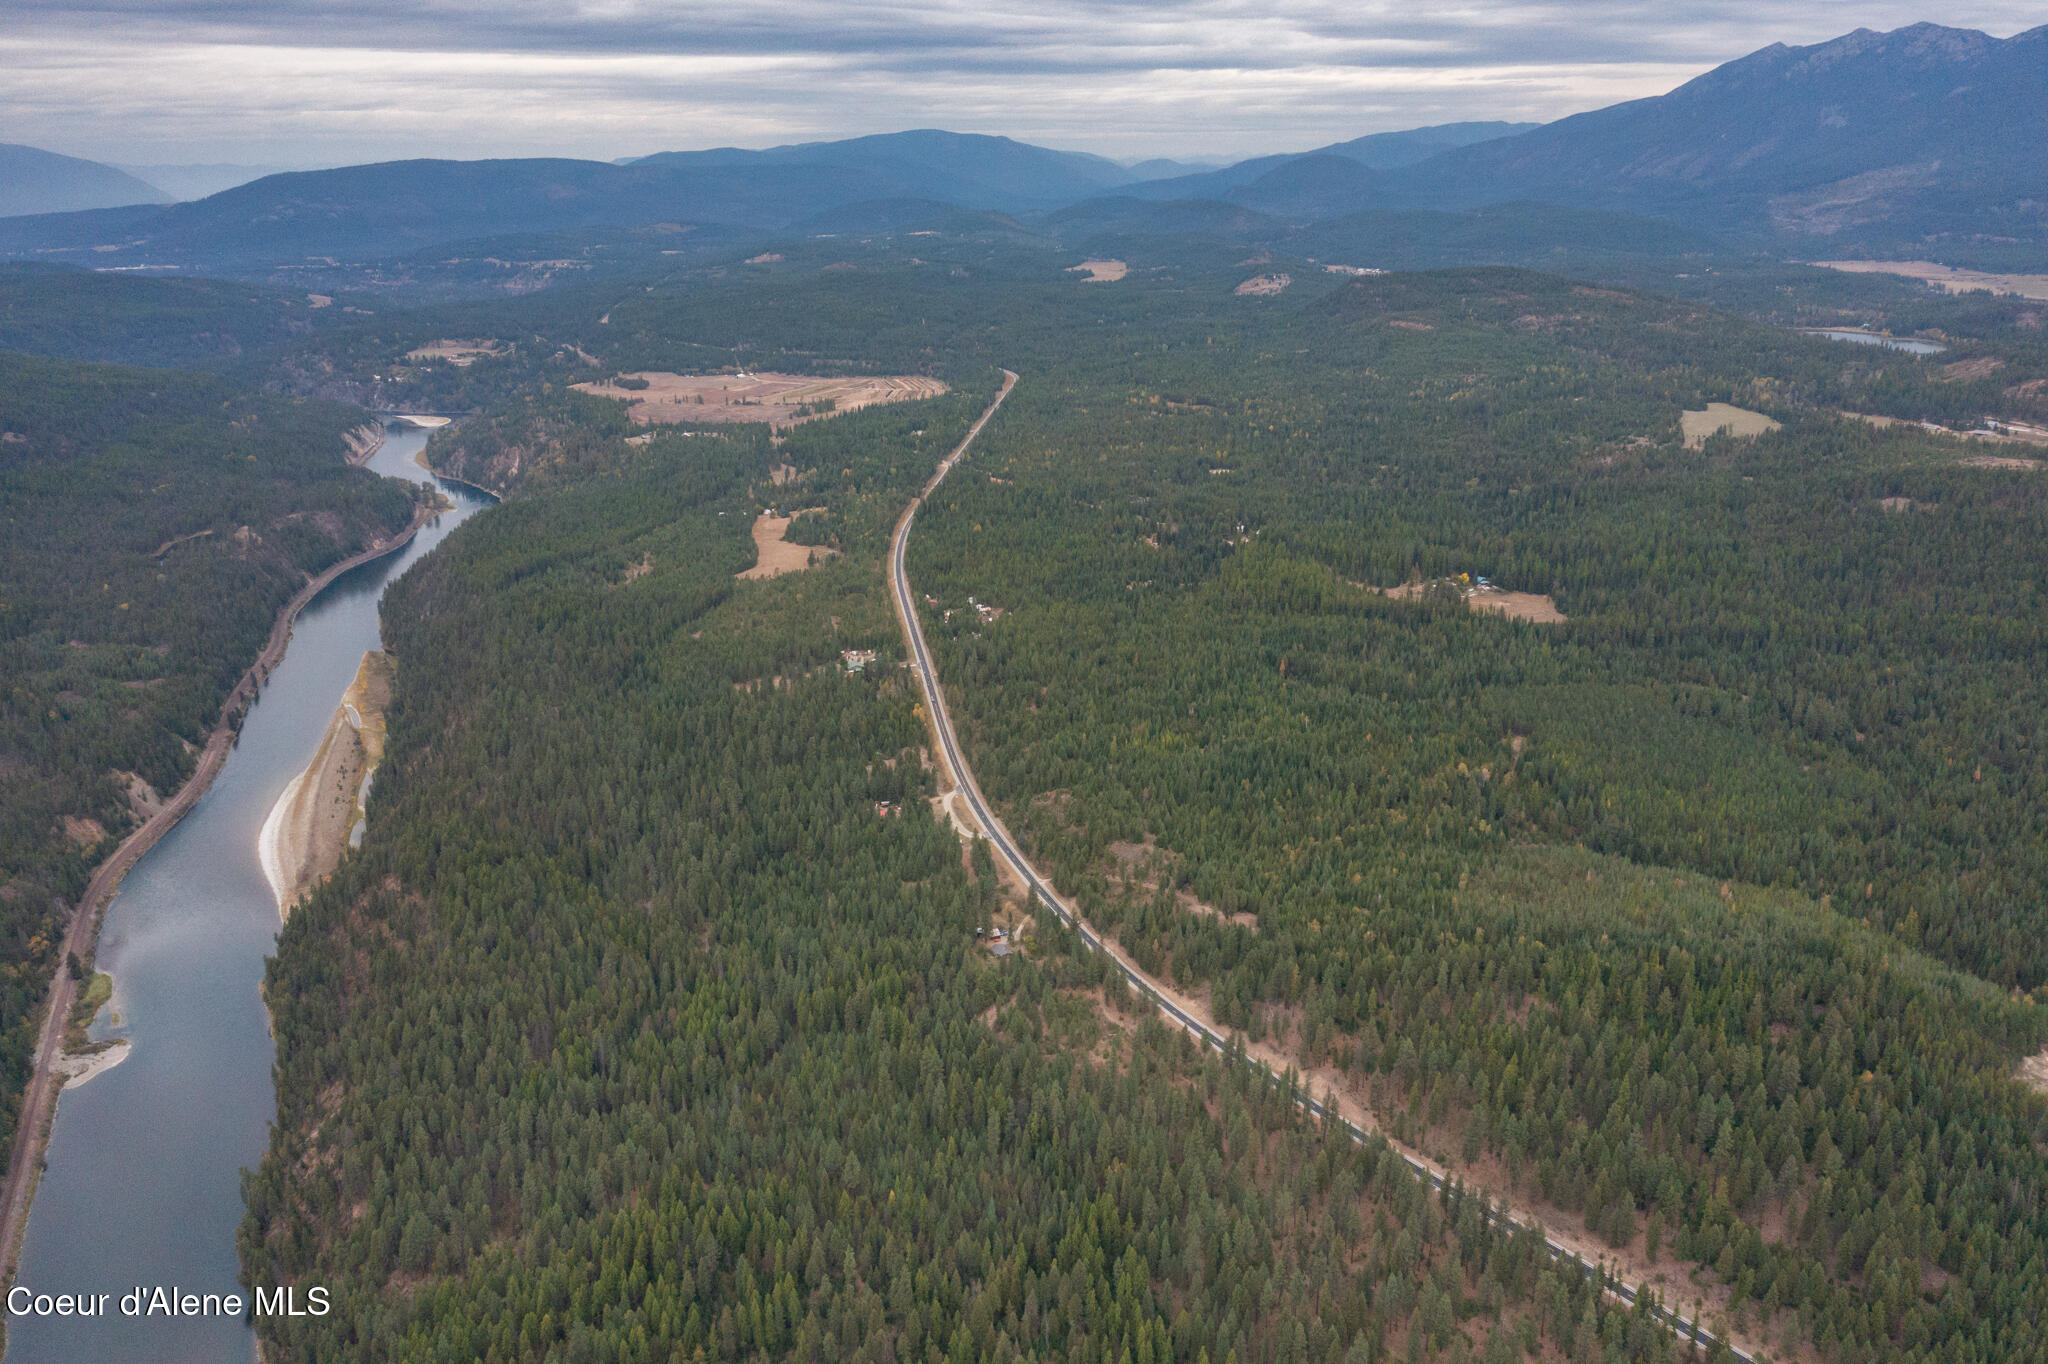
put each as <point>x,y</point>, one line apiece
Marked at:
<point>1912,344</point>
<point>143,1185</point>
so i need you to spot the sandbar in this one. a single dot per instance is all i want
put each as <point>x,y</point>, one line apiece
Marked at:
<point>315,819</point>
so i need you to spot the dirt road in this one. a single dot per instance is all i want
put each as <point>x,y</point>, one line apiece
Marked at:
<point>1179,1009</point>
<point>39,1102</point>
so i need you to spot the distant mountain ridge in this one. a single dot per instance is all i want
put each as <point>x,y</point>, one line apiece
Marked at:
<point>1922,128</point>
<point>971,169</point>
<point>1873,141</point>
<point>35,181</point>
<point>395,207</point>
<point>1376,151</point>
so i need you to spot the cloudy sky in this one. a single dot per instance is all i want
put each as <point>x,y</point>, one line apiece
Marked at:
<point>322,82</point>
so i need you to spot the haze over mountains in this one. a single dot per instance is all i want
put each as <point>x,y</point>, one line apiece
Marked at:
<point>1871,142</point>
<point>36,181</point>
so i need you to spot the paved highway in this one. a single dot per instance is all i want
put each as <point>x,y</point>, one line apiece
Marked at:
<point>955,762</point>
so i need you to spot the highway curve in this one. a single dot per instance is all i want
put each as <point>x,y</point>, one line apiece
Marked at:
<point>954,761</point>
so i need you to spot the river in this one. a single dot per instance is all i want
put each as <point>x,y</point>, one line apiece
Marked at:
<point>144,1180</point>
<point>1912,345</point>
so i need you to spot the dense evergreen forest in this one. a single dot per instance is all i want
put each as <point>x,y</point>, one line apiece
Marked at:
<point>125,319</point>
<point>637,1031</point>
<point>154,523</point>
<point>1804,663</point>
<point>1707,918</point>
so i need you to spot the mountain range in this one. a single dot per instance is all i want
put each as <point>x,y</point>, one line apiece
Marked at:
<point>1872,142</point>
<point>35,181</point>
<point>1922,127</point>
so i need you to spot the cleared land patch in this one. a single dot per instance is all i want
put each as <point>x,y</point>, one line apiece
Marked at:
<point>2033,1072</point>
<point>773,555</point>
<point>1101,271</point>
<point>1149,868</point>
<point>1977,367</point>
<point>1999,462</point>
<point>1946,277</point>
<point>1535,607</point>
<point>1719,417</point>
<point>779,399</point>
<point>459,352</point>
<point>1263,286</point>
<point>1529,606</point>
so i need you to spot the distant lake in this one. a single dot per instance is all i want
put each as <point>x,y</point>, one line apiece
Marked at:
<point>1913,345</point>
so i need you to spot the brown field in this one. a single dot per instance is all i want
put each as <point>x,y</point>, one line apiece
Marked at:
<point>1717,417</point>
<point>1978,367</point>
<point>1529,606</point>
<point>1944,277</point>
<point>2007,433</point>
<point>1101,271</point>
<point>775,556</point>
<point>778,399</point>
<point>1263,286</point>
<point>83,833</point>
<point>2033,1072</point>
<point>1999,462</point>
<point>459,352</point>
<point>1534,607</point>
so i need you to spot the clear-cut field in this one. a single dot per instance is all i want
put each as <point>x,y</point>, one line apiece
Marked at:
<point>1719,417</point>
<point>1946,277</point>
<point>459,352</point>
<point>1263,286</point>
<point>778,399</point>
<point>774,555</point>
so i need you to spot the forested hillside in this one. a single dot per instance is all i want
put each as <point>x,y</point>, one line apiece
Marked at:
<point>1704,919</point>
<point>135,320</point>
<point>152,523</point>
<point>640,1029</point>
<point>1354,823</point>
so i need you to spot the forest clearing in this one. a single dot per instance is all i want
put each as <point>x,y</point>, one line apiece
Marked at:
<point>459,352</point>
<point>1480,595</point>
<point>774,555</point>
<point>2033,1072</point>
<point>1101,271</point>
<point>1946,278</point>
<point>1530,606</point>
<point>1716,418</point>
<point>1263,286</point>
<point>781,400</point>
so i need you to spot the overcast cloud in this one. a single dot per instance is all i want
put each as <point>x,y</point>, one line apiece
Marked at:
<point>321,82</point>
